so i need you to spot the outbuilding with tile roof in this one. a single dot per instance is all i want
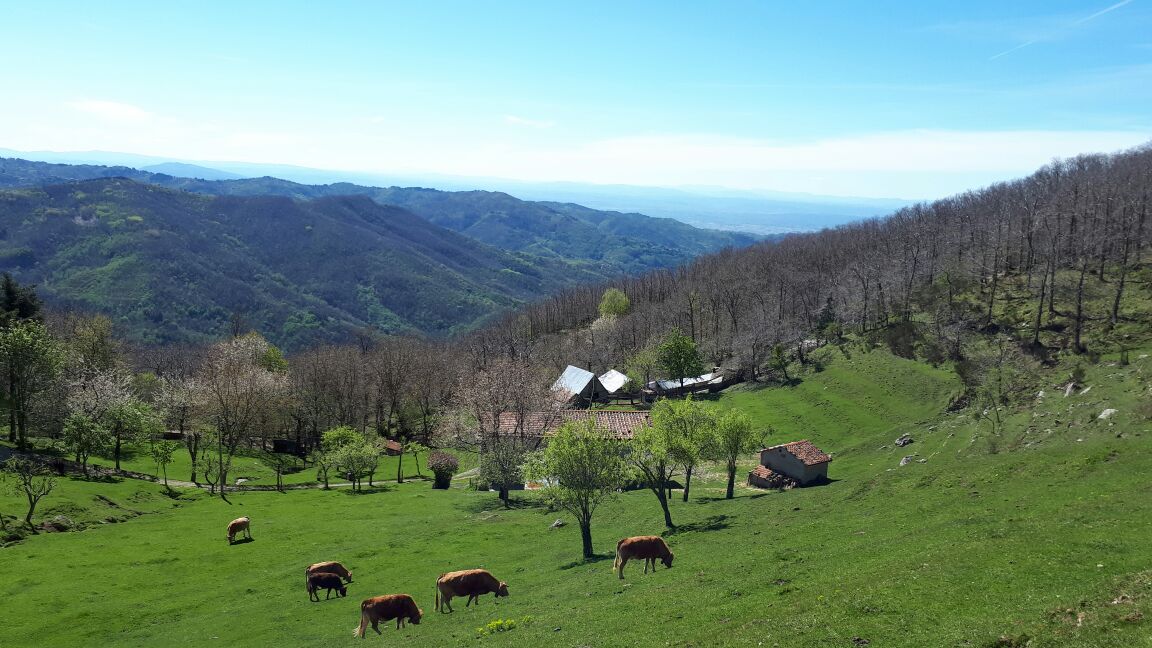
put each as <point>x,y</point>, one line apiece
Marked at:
<point>619,424</point>
<point>800,460</point>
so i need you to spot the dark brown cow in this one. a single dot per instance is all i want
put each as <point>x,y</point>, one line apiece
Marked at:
<point>647,547</point>
<point>385,608</point>
<point>324,580</point>
<point>469,582</point>
<point>332,567</point>
<point>237,526</point>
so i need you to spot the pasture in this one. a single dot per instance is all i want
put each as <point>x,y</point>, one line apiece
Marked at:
<point>1044,536</point>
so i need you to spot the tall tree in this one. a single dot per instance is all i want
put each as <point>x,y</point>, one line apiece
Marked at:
<point>733,437</point>
<point>679,357</point>
<point>243,385</point>
<point>691,426</point>
<point>107,398</point>
<point>176,399</point>
<point>614,303</point>
<point>17,302</point>
<point>653,453</point>
<point>582,468</point>
<point>31,360</point>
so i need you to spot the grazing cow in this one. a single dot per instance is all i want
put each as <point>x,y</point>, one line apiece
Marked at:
<point>647,547</point>
<point>332,567</point>
<point>385,608</point>
<point>326,581</point>
<point>471,583</point>
<point>235,527</point>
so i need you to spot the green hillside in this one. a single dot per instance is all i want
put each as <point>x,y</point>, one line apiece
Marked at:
<point>612,243</point>
<point>172,266</point>
<point>1044,538</point>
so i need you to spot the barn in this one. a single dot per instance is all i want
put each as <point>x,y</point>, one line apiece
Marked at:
<point>577,386</point>
<point>799,461</point>
<point>613,381</point>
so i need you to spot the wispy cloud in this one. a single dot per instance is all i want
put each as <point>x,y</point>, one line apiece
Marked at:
<point>1060,32</point>
<point>113,110</point>
<point>1009,51</point>
<point>530,123</point>
<point>1102,12</point>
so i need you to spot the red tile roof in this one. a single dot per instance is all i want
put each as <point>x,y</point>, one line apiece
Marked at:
<point>805,452</point>
<point>619,424</point>
<point>393,445</point>
<point>768,478</point>
<point>763,472</point>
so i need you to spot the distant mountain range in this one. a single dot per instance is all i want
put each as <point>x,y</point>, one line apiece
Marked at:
<point>759,212</point>
<point>173,258</point>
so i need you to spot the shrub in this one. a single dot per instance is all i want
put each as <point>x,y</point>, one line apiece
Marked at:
<point>443,465</point>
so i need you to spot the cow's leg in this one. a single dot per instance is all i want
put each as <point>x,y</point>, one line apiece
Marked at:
<point>399,622</point>
<point>623,561</point>
<point>447,600</point>
<point>376,626</point>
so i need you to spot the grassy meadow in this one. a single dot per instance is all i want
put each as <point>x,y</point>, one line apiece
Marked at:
<point>1042,535</point>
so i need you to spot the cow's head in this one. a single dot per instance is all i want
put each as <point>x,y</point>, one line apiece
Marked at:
<point>343,590</point>
<point>667,560</point>
<point>349,577</point>
<point>502,590</point>
<point>415,617</point>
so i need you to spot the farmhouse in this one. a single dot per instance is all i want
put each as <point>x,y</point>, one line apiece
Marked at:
<point>577,386</point>
<point>618,424</point>
<point>800,461</point>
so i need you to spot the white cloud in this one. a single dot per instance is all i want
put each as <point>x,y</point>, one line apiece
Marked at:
<point>113,110</point>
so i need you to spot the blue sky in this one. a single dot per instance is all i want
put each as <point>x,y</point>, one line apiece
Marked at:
<point>893,99</point>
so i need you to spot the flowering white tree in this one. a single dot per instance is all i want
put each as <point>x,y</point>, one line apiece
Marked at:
<point>242,385</point>
<point>105,410</point>
<point>177,399</point>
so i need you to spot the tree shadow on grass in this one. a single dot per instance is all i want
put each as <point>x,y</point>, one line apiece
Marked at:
<point>711,523</point>
<point>588,561</point>
<point>494,505</point>
<point>95,479</point>
<point>369,490</point>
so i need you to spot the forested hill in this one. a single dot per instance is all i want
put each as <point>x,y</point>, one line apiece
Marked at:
<point>615,243</point>
<point>1058,261</point>
<point>173,266</point>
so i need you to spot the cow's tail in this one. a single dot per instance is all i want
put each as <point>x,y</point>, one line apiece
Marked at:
<point>359,630</point>
<point>437,594</point>
<point>616,562</point>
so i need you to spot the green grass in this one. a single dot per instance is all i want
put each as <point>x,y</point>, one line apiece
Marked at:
<point>1038,539</point>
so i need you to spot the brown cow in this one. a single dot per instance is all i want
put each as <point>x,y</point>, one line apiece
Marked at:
<point>332,567</point>
<point>236,526</point>
<point>326,581</point>
<point>386,608</point>
<point>647,547</point>
<point>469,582</point>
